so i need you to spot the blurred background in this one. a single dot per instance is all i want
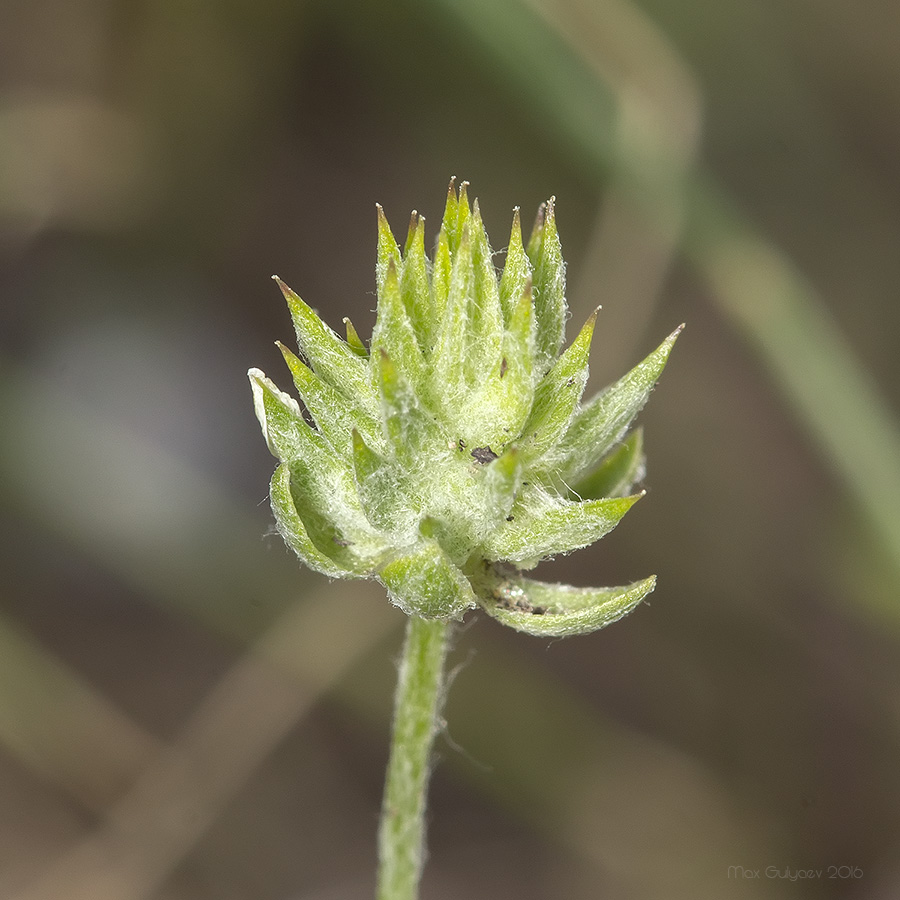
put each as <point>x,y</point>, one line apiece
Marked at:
<point>185,713</point>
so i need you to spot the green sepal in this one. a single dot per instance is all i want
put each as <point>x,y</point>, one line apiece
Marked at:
<point>366,462</point>
<point>414,285</point>
<point>549,282</point>
<point>454,359</point>
<point>502,479</point>
<point>408,427</point>
<point>394,334</point>
<point>541,525</point>
<point>387,252</point>
<point>324,495</point>
<point>485,316</point>
<point>441,273</point>
<point>601,422</point>
<point>387,505</point>
<point>424,582</point>
<point>333,414</point>
<point>556,397</point>
<point>618,472</point>
<point>330,507</point>
<point>559,610</point>
<point>463,210</point>
<point>516,271</point>
<point>354,342</point>
<point>511,392</point>
<point>500,408</point>
<point>282,423</point>
<point>534,239</point>
<point>291,527</point>
<point>456,214</point>
<point>451,213</point>
<point>327,354</point>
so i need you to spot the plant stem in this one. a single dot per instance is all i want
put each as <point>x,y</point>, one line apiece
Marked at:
<point>401,838</point>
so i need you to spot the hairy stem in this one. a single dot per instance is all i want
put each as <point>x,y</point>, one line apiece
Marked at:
<point>401,839</point>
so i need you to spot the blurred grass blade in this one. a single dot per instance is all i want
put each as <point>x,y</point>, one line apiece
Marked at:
<point>145,834</point>
<point>774,307</point>
<point>828,387</point>
<point>62,729</point>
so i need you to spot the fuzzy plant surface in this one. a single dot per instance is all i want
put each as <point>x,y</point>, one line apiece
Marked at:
<point>455,452</point>
<point>450,457</point>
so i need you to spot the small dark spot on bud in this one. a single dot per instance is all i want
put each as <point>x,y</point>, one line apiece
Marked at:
<point>503,366</point>
<point>538,610</point>
<point>340,541</point>
<point>461,444</point>
<point>510,518</point>
<point>484,455</point>
<point>570,382</point>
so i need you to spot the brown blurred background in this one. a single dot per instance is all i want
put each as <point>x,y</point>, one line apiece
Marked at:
<point>187,714</point>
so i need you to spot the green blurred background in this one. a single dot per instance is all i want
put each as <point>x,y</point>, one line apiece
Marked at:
<point>184,712</point>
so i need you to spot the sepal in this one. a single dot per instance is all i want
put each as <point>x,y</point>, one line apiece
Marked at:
<point>501,406</point>
<point>602,421</point>
<point>333,414</point>
<point>414,286</point>
<point>456,214</point>
<point>516,270</point>
<point>281,420</point>
<point>387,252</point>
<point>502,479</point>
<point>394,333</point>
<point>292,529</point>
<point>557,396</point>
<point>540,525</point>
<point>557,610</point>
<point>354,342</point>
<point>409,427</point>
<point>441,273</point>
<point>618,472</point>
<point>424,582</point>
<point>321,483</point>
<point>327,354</point>
<point>485,315</point>
<point>549,279</point>
<point>456,358</point>
<point>378,484</point>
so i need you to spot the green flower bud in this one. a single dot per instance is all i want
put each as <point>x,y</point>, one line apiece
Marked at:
<point>457,452</point>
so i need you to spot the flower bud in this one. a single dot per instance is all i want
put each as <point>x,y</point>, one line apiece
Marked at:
<point>457,452</point>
